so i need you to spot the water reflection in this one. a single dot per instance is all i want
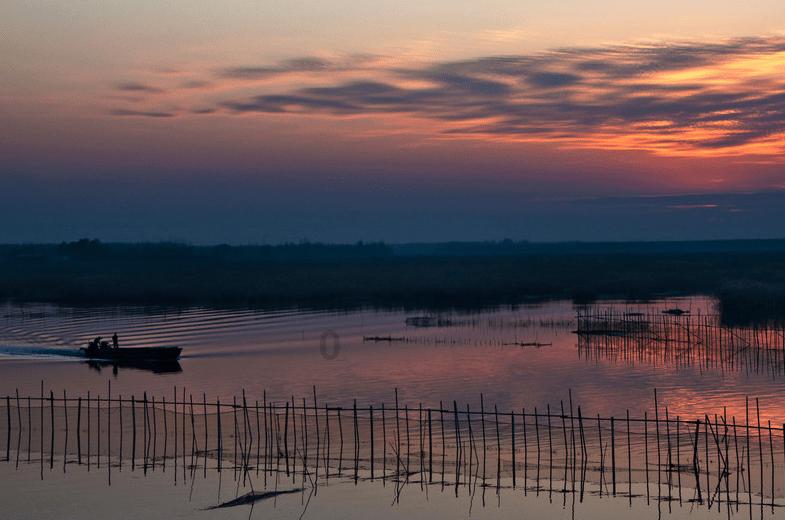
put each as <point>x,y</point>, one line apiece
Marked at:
<point>156,367</point>
<point>245,456</point>
<point>436,357</point>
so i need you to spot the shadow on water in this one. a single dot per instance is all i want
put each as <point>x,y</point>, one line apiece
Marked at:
<point>156,367</point>
<point>252,497</point>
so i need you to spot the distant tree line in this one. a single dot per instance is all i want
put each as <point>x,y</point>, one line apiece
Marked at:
<point>747,276</point>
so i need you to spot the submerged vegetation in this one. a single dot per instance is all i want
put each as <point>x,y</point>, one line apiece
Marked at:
<point>745,275</point>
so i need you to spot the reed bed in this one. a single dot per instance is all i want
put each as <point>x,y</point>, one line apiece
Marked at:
<point>685,340</point>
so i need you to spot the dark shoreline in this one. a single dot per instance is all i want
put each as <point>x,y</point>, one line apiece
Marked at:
<point>747,277</point>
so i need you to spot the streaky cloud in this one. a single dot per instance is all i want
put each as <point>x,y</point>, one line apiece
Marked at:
<point>683,98</point>
<point>134,86</point>
<point>305,64</point>
<point>141,113</point>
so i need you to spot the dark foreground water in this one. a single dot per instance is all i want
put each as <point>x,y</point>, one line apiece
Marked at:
<point>515,357</point>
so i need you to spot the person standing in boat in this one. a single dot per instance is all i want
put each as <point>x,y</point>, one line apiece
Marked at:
<point>115,340</point>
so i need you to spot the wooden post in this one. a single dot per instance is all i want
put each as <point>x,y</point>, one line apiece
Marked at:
<point>266,439</point>
<point>327,441</point>
<point>760,451</point>
<point>164,411</point>
<point>749,458</point>
<point>572,432</point>
<point>384,446</point>
<point>550,450</point>
<point>294,437</point>
<point>120,406</point>
<point>472,448</point>
<point>398,435</point>
<point>145,432</point>
<point>602,453</point>
<point>421,445</point>
<point>219,440</point>
<point>484,448</point>
<point>512,444</point>
<point>152,419</point>
<point>278,440</point>
<point>657,426</point>
<point>305,439</point>
<point>629,457</point>
<point>194,446</point>
<point>97,430</point>
<point>52,429</point>
<point>176,436</point>
<point>444,443</point>
<point>678,454</point>
<point>457,447</point>
<point>430,447</point>
<point>41,436</point>
<point>525,453</point>
<point>695,468</point>
<point>108,429</point>
<point>19,434</point>
<point>370,420</point>
<point>259,435</point>
<point>206,436</point>
<point>738,461</point>
<point>8,423</point>
<point>356,441</point>
<point>613,453</point>
<point>584,449</point>
<point>236,435</point>
<point>65,417</point>
<point>133,430</point>
<point>248,438</point>
<point>29,427</point>
<point>498,449</point>
<point>537,432</point>
<point>318,435</point>
<point>286,436</point>
<point>408,440</point>
<point>340,435</point>
<point>183,436</point>
<point>646,449</point>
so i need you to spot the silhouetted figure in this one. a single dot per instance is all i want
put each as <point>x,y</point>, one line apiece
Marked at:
<point>97,342</point>
<point>115,340</point>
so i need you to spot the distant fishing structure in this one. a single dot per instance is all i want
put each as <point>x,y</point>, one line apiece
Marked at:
<point>721,462</point>
<point>680,339</point>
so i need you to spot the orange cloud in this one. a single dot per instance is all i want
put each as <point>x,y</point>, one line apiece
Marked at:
<point>694,99</point>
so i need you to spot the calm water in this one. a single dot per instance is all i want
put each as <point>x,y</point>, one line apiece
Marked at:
<point>516,357</point>
<point>285,353</point>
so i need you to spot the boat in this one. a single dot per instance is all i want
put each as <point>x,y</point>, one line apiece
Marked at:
<point>133,354</point>
<point>428,321</point>
<point>675,312</point>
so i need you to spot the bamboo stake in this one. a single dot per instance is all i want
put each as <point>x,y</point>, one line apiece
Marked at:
<point>133,430</point>
<point>370,420</point>
<point>512,444</point>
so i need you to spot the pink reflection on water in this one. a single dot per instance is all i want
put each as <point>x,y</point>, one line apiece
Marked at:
<point>278,352</point>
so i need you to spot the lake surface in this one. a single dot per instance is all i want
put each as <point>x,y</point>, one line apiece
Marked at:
<point>522,357</point>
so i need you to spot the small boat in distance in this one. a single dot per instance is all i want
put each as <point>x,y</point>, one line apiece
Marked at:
<point>675,312</point>
<point>103,351</point>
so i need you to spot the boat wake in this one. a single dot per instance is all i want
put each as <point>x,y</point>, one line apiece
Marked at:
<point>34,351</point>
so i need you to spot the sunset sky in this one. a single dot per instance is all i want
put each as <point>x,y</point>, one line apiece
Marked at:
<point>270,121</point>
